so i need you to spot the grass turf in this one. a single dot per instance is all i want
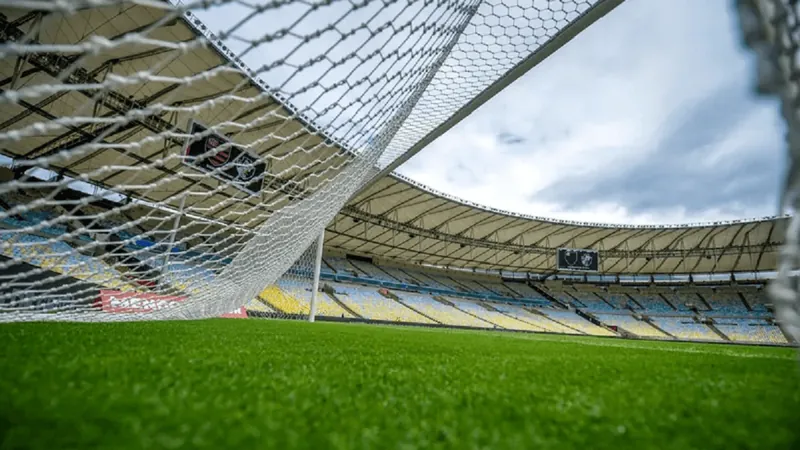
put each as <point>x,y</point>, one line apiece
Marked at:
<point>249,384</point>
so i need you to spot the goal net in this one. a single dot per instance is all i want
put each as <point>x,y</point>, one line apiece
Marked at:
<point>770,28</point>
<point>179,159</point>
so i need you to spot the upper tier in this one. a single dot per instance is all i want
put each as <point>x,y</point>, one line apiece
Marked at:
<point>399,219</point>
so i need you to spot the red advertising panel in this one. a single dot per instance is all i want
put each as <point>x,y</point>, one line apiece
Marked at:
<point>136,302</point>
<point>144,302</point>
<point>238,313</point>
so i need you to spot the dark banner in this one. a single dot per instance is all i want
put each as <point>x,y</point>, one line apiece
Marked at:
<point>228,162</point>
<point>578,260</point>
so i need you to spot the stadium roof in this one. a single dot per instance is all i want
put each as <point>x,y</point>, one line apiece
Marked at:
<point>399,219</point>
<point>195,82</point>
<point>394,218</point>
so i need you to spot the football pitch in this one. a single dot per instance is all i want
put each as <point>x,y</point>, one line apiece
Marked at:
<point>251,384</point>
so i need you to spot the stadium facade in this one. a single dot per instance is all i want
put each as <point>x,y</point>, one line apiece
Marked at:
<point>107,211</point>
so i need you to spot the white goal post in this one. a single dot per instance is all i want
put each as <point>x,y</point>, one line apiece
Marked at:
<point>317,271</point>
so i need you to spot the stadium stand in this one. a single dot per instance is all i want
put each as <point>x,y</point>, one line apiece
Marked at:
<point>652,302</point>
<point>372,271</point>
<point>467,285</point>
<point>293,297</point>
<point>189,276</point>
<point>59,257</point>
<point>564,297</point>
<point>37,218</point>
<point>402,276</point>
<point>525,291</point>
<point>537,320</point>
<point>431,281</point>
<point>723,301</point>
<point>592,300</point>
<point>619,300</point>
<point>441,312</point>
<point>750,330</point>
<point>343,266</point>
<point>282,301</point>
<point>326,269</point>
<point>684,328</point>
<point>756,299</point>
<point>493,316</point>
<point>631,325</point>
<point>573,320</point>
<point>447,283</point>
<point>680,298</point>
<point>368,303</point>
<point>499,288</point>
<point>32,218</point>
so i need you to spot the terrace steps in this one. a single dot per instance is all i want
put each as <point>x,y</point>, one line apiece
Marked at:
<point>548,296</point>
<point>664,297</point>
<point>453,305</point>
<point>330,293</point>
<point>594,320</point>
<point>520,319</point>
<point>558,322</point>
<point>718,332</point>
<point>653,324</point>
<point>391,296</point>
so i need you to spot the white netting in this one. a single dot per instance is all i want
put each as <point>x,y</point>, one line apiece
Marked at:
<point>771,28</point>
<point>174,160</point>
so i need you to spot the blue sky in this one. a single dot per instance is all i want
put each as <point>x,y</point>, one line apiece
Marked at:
<point>647,117</point>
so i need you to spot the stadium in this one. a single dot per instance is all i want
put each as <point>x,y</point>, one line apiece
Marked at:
<point>206,243</point>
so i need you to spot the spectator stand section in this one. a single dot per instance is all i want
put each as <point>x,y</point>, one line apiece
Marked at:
<point>444,313</point>
<point>359,270</point>
<point>369,304</point>
<point>750,330</point>
<point>634,325</point>
<point>687,328</point>
<point>652,301</point>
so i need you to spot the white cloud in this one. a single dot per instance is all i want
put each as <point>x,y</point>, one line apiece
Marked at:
<point>656,92</point>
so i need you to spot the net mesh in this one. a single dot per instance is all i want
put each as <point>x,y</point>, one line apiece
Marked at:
<point>179,160</point>
<point>771,28</point>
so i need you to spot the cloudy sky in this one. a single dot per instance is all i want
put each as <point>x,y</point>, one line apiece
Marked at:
<point>646,117</point>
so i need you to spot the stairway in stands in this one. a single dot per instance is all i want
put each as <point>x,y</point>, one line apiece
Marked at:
<point>551,319</point>
<point>718,331</point>
<point>391,296</point>
<point>489,307</point>
<point>327,290</point>
<point>653,324</point>
<point>452,305</point>
<point>548,296</point>
<point>593,320</point>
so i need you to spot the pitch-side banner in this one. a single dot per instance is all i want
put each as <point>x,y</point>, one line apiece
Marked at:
<point>144,302</point>
<point>580,260</point>
<point>136,302</point>
<point>238,313</point>
<point>228,162</point>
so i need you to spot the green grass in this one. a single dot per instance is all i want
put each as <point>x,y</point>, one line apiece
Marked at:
<point>224,384</point>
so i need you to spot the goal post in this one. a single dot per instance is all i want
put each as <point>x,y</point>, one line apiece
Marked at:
<point>317,270</point>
